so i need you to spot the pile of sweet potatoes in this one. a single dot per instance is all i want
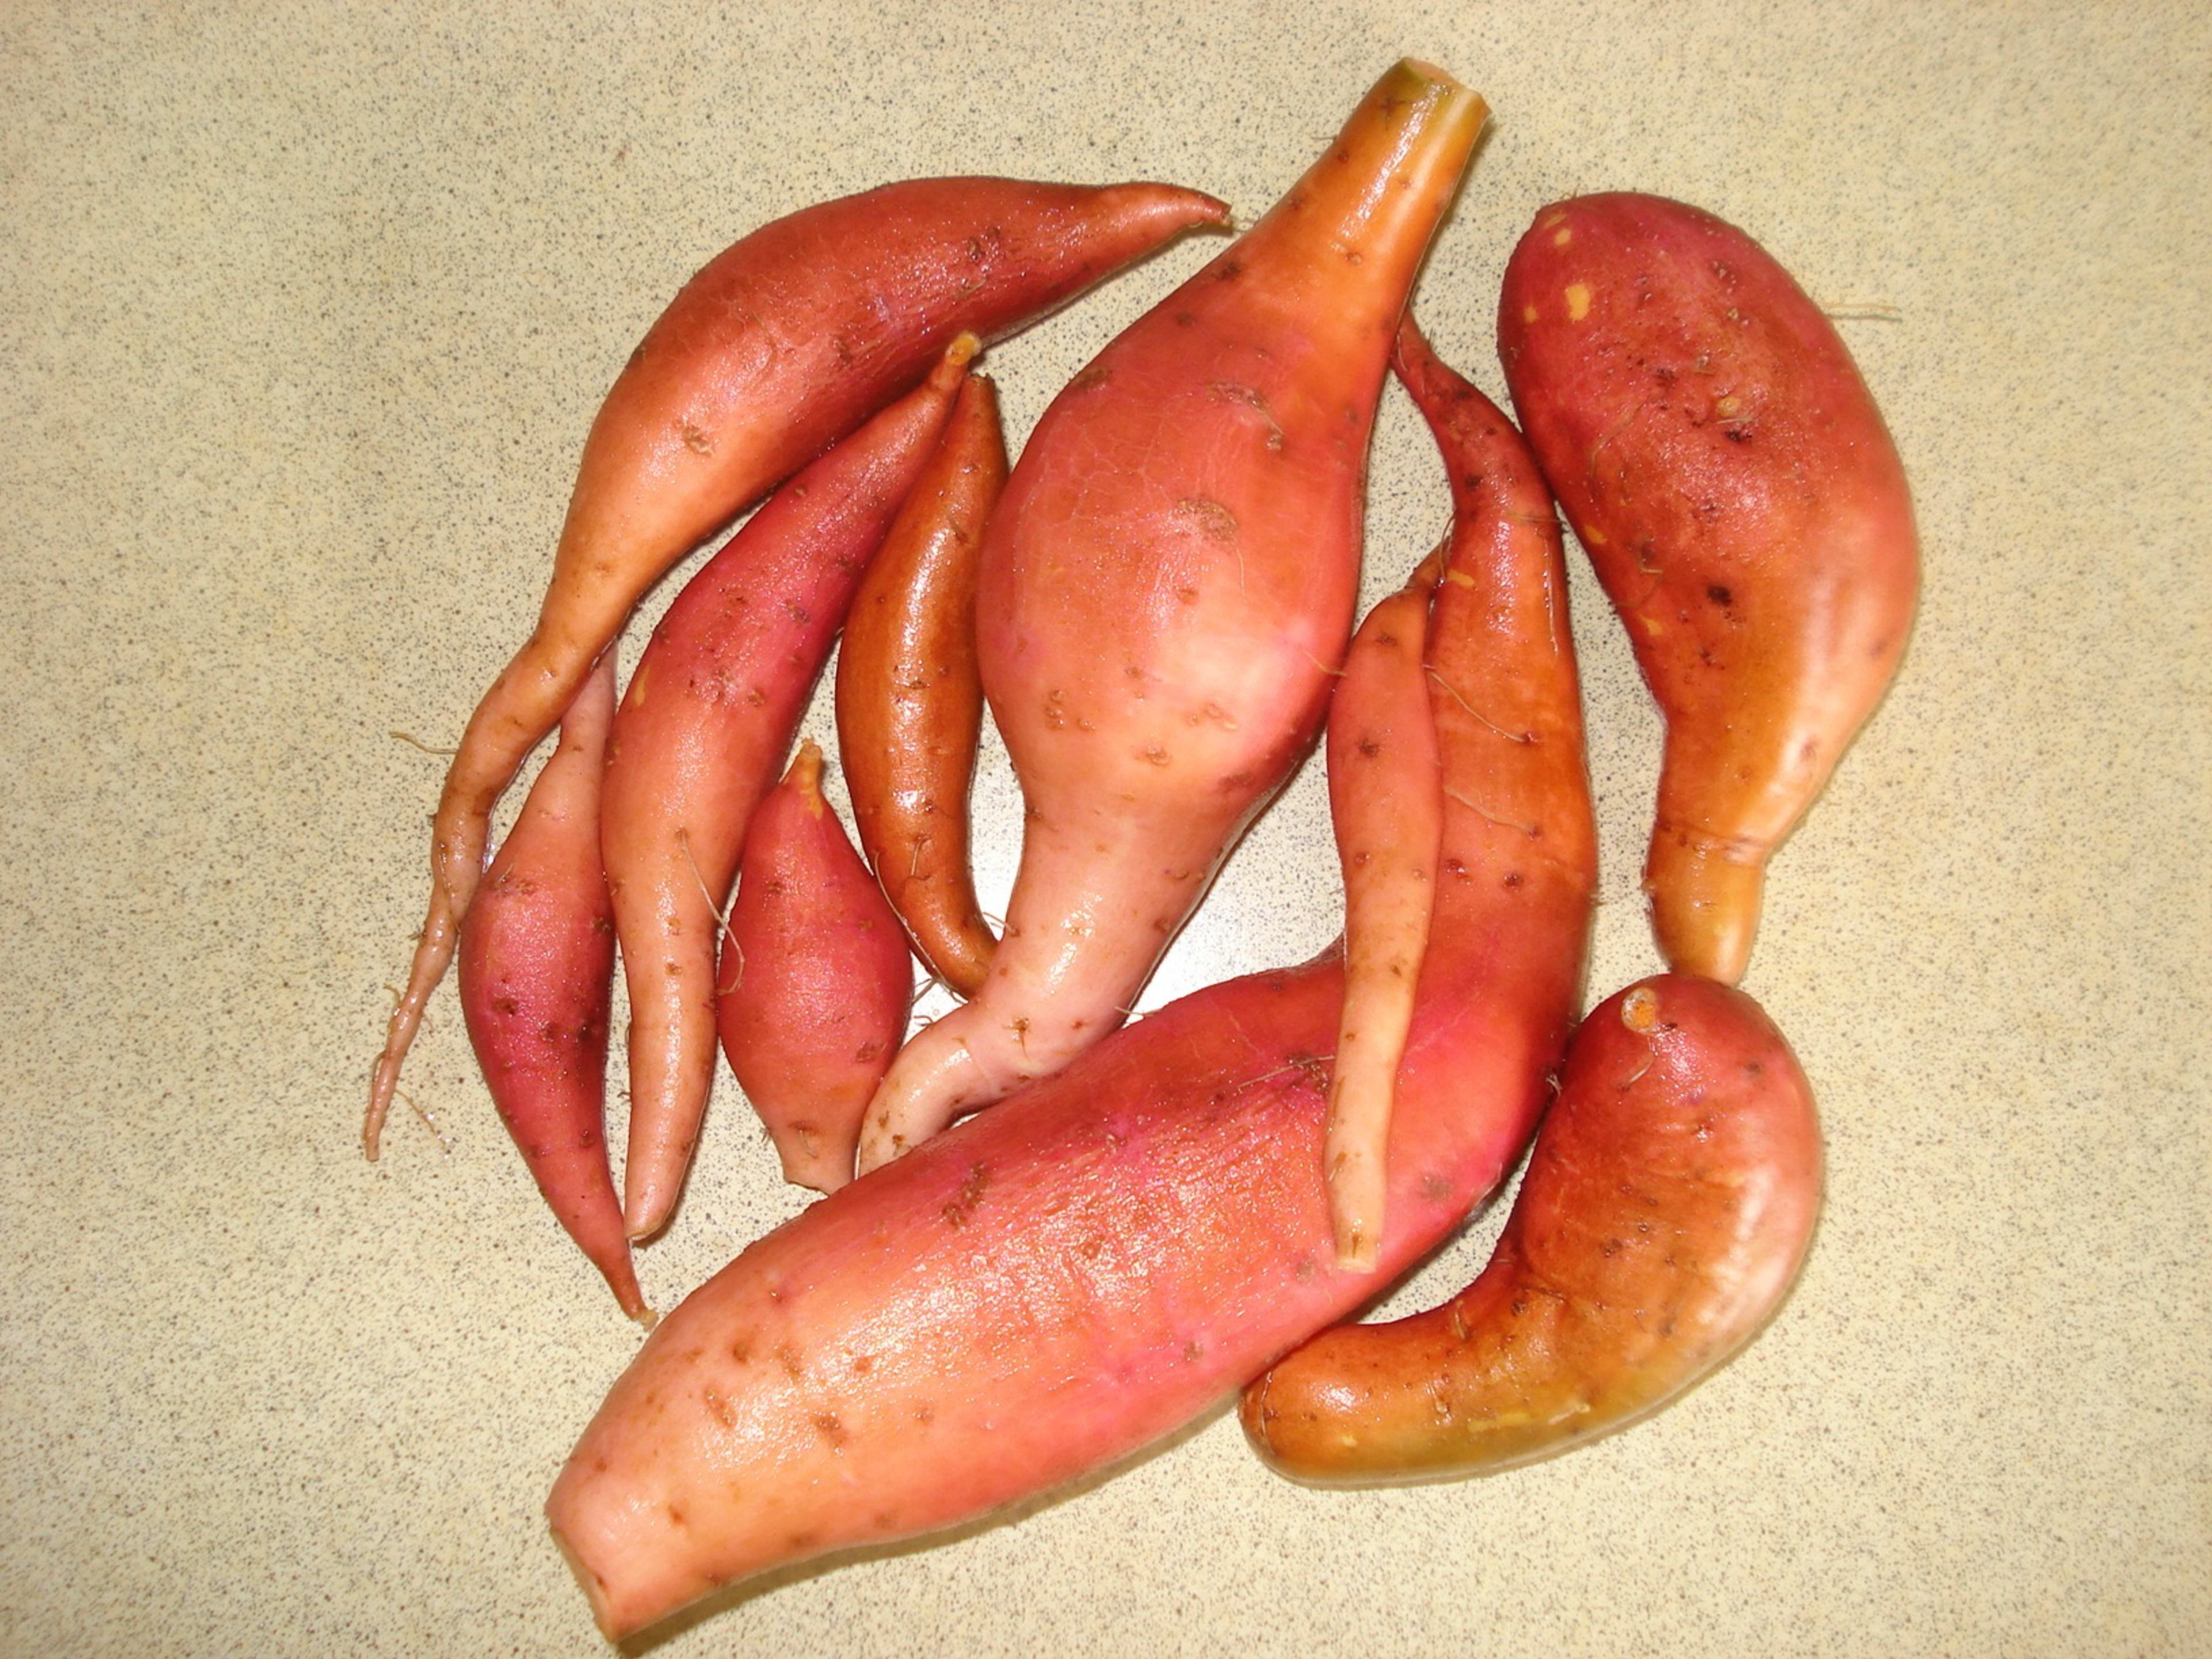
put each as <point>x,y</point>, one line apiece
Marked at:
<point>1048,1241</point>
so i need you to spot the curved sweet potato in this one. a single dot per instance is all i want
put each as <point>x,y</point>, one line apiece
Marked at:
<point>1167,586</point>
<point>537,980</point>
<point>779,346</point>
<point>1061,1281</point>
<point>1666,1210</point>
<point>708,719</point>
<point>816,980</point>
<point>1736,490</point>
<point>910,697</point>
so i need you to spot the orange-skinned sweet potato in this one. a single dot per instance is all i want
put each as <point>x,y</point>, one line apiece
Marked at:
<point>816,980</point>
<point>1740,498</point>
<point>910,696</point>
<point>1666,1210</point>
<point>780,345</point>
<point>1059,1282</point>
<point>1167,586</point>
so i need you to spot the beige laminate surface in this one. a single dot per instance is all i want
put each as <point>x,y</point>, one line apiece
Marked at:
<point>303,312</point>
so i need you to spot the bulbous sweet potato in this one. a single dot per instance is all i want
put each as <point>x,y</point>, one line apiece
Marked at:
<point>1056,1283</point>
<point>1168,583</point>
<point>816,980</point>
<point>1666,1210</point>
<point>779,346</point>
<point>1740,498</point>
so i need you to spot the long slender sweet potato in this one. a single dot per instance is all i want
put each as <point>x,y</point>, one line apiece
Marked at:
<point>779,346</point>
<point>1735,489</point>
<point>910,696</point>
<point>1056,1283</point>
<point>1168,583</point>
<point>708,719</point>
<point>816,980</point>
<point>1666,1210</point>
<point>1386,801</point>
<point>536,978</point>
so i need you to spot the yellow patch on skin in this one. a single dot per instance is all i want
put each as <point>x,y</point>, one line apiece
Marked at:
<point>634,697</point>
<point>1528,314</point>
<point>1563,236</point>
<point>1590,538</point>
<point>1653,626</point>
<point>1578,298</point>
<point>1728,406</point>
<point>1460,577</point>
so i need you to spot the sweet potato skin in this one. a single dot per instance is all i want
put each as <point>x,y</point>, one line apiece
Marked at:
<point>1740,499</point>
<point>816,981</point>
<point>1667,1209</point>
<point>536,979</point>
<point>910,695</point>
<point>781,345</point>
<point>1054,1283</point>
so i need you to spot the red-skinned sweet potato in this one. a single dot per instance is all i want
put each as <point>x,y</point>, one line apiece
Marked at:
<point>707,720</point>
<point>910,696</point>
<point>1666,1210</point>
<point>777,347</point>
<point>1740,498</point>
<point>1056,1283</point>
<point>1167,586</point>
<point>537,980</point>
<point>816,980</point>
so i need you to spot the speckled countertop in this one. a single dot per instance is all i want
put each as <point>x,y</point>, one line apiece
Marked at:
<point>303,312</point>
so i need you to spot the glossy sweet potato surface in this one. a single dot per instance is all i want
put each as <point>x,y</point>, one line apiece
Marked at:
<point>1727,472</point>
<point>1666,1210</point>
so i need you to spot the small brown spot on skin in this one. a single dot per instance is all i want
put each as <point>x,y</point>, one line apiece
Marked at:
<point>1514,879</point>
<point>1369,748</point>
<point>788,1358</point>
<point>675,1515</point>
<point>1193,1353</point>
<point>970,1197</point>
<point>719,1410</point>
<point>925,1413</point>
<point>1436,1188</point>
<point>831,1430</point>
<point>697,440</point>
<point>1718,594</point>
<point>1090,379</point>
<point>1228,270</point>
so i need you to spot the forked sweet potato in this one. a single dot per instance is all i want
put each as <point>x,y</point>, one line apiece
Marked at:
<point>777,347</point>
<point>1167,586</point>
<point>1054,1283</point>
<point>816,980</point>
<point>1732,481</point>
<point>1667,1209</point>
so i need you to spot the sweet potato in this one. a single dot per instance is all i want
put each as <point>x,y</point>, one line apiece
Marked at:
<point>1732,481</point>
<point>910,697</point>
<point>816,980</point>
<point>1057,1282</point>
<point>708,719</point>
<point>1167,586</point>
<point>781,344</point>
<point>536,979</point>
<point>1665,1213</point>
<point>1386,802</point>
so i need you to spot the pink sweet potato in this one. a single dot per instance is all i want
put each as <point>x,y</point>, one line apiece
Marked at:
<point>536,978</point>
<point>1732,481</point>
<point>1168,586</point>
<point>708,719</point>
<point>779,346</point>
<point>1667,1209</point>
<point>816,980</point>
<point>1054,1283</point>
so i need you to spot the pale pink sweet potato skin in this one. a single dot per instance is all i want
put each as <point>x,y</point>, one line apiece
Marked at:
<point>1740,499</point>
<point>1056,1283</point>
<point>816,981</point>
<point>1666,1211</point>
